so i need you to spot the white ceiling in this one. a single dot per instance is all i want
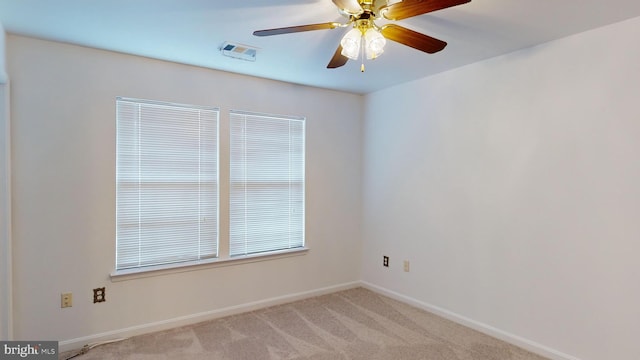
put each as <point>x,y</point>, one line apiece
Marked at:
<point>192,31</point>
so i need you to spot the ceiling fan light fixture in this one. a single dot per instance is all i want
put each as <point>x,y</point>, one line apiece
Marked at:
<point>365,36</point>
<point>351,44</point>
<point>375,43</point>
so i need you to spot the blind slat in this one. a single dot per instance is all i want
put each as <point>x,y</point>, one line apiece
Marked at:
<point>266,183</point>
<point>167,183</point>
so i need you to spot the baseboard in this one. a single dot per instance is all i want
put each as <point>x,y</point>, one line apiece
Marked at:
<point>77,343</point>
<point>473,324</point>
<point>526,344</point>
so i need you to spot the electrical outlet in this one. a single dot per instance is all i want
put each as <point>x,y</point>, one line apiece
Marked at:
<point>406,266</point>
<point>99,295</point>
<point>66,300</point>
<point>385,261</point>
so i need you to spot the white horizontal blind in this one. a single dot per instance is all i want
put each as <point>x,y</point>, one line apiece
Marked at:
<point>167,183</point>
<point>267,183</point>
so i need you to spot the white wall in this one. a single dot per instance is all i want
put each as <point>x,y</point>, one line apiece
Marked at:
<point>63,142</point>
<point>3,59</point>
<point>5,199</point>
<point>512,186</point>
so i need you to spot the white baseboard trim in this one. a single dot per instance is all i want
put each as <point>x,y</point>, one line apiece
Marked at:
<point>473,324</point>
<point>77,343</point>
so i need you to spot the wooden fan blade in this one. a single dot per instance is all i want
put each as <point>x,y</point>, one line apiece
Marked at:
<point>411,38</point>
<point>295,29</point>
<point>351,7</point>
<point>410,8</point>
<point>338,59</point>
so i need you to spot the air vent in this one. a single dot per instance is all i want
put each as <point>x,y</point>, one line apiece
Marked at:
<point>239,51</point>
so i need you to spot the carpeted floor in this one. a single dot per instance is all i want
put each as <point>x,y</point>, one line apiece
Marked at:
<point>355,324</point>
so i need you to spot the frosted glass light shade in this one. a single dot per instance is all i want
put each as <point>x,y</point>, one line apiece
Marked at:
<point>351,44</point>
<point>374,43</point>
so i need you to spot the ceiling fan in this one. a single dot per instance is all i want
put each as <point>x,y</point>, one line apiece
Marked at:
<point>366,37</point>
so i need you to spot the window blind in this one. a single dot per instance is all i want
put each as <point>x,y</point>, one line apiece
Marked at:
<point>167,183</point>
<point>266,183</point>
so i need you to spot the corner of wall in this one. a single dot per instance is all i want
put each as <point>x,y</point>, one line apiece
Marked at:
<point>6,313</point>
<point>3,72</point>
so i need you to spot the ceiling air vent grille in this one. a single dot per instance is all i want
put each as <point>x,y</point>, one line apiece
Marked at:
<point>239,51</point>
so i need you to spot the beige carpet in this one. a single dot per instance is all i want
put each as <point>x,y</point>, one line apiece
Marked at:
<point>355,324</point>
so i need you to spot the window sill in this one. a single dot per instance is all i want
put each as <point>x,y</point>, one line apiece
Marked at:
<point>150,271</point>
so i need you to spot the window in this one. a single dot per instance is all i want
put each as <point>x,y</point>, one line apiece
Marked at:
<point>167,183</point>
<point>266,183</point>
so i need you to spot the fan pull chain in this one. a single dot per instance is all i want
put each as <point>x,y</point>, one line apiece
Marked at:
<point>362,53</point>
